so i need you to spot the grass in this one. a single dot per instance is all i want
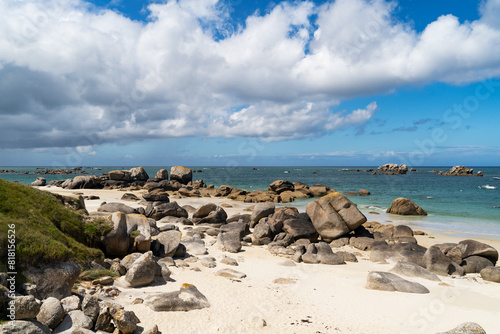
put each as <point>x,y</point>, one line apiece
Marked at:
<point>90,275</point>
<point>46,231</point>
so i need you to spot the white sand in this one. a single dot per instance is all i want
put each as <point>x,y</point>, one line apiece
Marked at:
<point>323,299</point>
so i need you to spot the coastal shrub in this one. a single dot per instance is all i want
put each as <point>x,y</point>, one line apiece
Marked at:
<point>46,231</point>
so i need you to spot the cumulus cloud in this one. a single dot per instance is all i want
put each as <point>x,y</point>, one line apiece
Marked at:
<point>71,75</point>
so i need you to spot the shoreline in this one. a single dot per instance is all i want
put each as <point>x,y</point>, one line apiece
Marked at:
<point>281,296</point>
<point>432,237</point>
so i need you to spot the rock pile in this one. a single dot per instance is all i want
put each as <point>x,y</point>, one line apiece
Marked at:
<point>459,171</point>
<point>392,169</point>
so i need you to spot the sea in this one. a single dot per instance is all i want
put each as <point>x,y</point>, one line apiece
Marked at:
<point>457,205</point>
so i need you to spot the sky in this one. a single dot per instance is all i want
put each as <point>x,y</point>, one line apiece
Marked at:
<point>249,83</point>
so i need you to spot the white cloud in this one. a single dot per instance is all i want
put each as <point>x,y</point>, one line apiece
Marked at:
<point>71,76</point>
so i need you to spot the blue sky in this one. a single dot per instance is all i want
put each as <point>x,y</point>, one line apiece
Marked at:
<point>244,83</point>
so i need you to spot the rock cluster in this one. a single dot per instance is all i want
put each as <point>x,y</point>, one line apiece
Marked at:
<point>392,169</point>
<point>69,315</point>
<point>459,171</point>
<point>404,206</point>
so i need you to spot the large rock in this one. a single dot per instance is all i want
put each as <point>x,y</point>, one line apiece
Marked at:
<point>157,197</point>
<point>466,328</point>
<point>125,321</point>
<point>472,247</point>
<point>229,241</point>
<point>51,313</point>
<point>378,280</point>
<point>55,280</point>
<point>90,307</point>
<point>186,299</point>
<point>281,186</point>
<point>120,175</point>
<point>162,174</point>
<point>138,174</point>
<point>260,211</point>
<point>142,271</point>
<point>82,182</point>
<point>460,171</point>
<point>195,246</point>
<point>27,307</point>
<point>70,303</point>
<point>491,274</point>
<point>39,182</point>
<point>334,215</point>
<point>25,327</point>
<point>72,321</point>
<point>474,264</point>
<point>325,255</point>
<point>319,190</point>
<point>116,207</point>
<point>167,242</point>
<point>182,174</point>
<point>116,242</point>
<point>404,206</point>
<point>408,252</point>
<point>413,270</point>
<point>217,216</point>
<point>137,222</point>
<point>165,209</point>
<point>438,263</point>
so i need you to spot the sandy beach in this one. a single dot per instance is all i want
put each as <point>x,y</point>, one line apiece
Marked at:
<point>280,296</point>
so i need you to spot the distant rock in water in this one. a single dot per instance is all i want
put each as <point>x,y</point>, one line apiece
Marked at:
<point>393,169</point>
<point>406,207</point>
<point>459,171</point>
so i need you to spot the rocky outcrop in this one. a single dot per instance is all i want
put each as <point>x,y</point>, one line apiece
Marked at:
<point>186,299</point>
<point>491,274</point>
<point>334,215</point>
<point>55,280</point>
<point>378,280</point>
<point>473,247</point>
<point>404,206</point>
<point>210,214</point>
<point>39,182</point>
<point>281,186</point>
<point>182,174</point>
<point>82,182</point>
<point>393,169</point>
<point>159,211</point>
<point>438,263</point>
<point>459,171</point>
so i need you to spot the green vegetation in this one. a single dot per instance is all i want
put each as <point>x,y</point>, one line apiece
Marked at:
<point>46,230</point>
<point>90,275</point>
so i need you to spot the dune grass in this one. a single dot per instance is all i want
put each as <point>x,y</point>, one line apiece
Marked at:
<point>46,231</point>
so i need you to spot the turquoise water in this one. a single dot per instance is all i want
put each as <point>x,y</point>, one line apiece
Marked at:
<point>454,203</point>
